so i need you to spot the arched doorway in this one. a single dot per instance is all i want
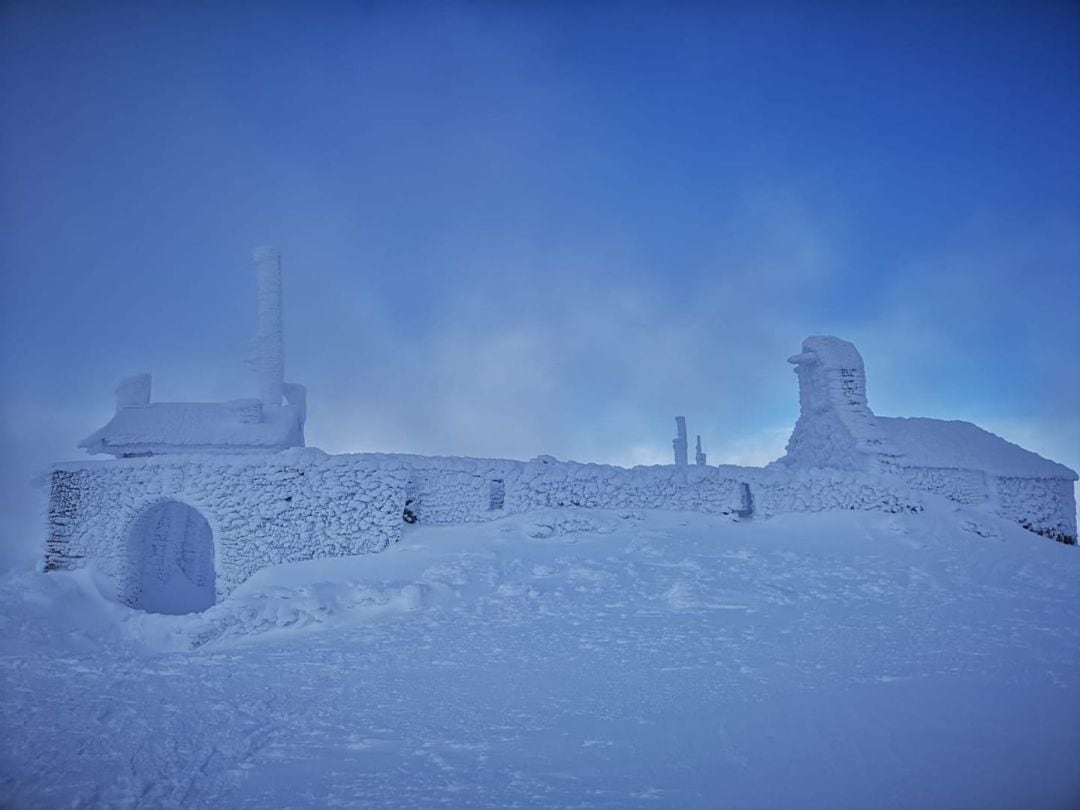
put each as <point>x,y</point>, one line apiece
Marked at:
<point>171,549</point>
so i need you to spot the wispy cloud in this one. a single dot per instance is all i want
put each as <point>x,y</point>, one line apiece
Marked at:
<point>983,319</point>
<point>591,356</point>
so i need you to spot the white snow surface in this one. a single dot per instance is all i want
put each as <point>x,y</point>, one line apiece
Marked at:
<point>571,658</point>
<point>924,442</point>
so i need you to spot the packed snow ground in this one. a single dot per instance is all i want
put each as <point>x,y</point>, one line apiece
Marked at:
<point>571,658</point>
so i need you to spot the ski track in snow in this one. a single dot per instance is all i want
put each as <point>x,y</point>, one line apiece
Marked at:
<point>571,659</point>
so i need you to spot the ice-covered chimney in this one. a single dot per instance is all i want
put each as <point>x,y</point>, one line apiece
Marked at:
<point>679,442</point>
<point>699,456</point>
<point>268,356</point>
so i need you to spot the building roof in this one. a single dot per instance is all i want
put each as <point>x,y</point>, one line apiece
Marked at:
<point>170,427</point>
<point>938,443</point>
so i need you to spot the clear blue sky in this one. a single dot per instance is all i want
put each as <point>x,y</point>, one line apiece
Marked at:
<point>512,229</point>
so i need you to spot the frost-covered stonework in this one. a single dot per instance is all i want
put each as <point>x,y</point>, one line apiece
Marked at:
<point>304,504</point>
<point>1046,506</point>
<point>290,506</point>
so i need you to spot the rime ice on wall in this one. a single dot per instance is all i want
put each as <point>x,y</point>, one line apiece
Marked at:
<point>301,504</point>
<point>967,464</point>
<point>468,490</point>
<point>968,487</point>
<point>1045,506</point>
<point>64,517</point>
<point>261,510</point>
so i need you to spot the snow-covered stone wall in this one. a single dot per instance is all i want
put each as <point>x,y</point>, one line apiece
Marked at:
<point>468,490</point>
<point>465,490</point>
<point>302,504</point>
<point>1046,506</point>
<point>815,490</point>
<point>962,486</point>
<point>263,510</point>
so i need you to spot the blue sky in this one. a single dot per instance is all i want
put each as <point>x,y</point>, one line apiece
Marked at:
<point>513,229</point>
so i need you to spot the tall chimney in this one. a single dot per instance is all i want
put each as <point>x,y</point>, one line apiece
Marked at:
<point>679,442</point>
<point>269,351</point>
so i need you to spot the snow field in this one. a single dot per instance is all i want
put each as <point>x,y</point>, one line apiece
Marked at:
<point>571,657</point>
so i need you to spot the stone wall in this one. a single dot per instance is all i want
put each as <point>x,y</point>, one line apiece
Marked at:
<point>262,510</point>
<point>962,486</point>
<point>302,504</point>
<point>1046,506</point>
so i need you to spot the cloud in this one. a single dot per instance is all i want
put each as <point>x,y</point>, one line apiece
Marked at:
<point>585,352</point>
<point>990,316</point>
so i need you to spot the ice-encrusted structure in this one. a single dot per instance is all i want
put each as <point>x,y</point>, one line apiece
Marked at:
<point>300,504</point>
<point>836,427</point>
<point>970,465</point>
<point>200,496</point>
<point>143,428</point>
<point>958,460</point>
<point>678,444</point>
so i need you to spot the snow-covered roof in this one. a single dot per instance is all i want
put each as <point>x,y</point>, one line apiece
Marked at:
<point>170,427</point>
<point>938,443</point>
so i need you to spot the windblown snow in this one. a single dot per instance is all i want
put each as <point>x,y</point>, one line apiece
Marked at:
<point>571,658</point>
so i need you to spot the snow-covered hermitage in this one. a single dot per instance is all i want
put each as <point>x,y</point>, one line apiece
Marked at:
<point>201,495</point>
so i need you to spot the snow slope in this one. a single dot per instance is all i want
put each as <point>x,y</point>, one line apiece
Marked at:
<point>571,658</point>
